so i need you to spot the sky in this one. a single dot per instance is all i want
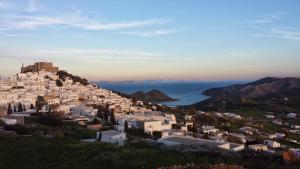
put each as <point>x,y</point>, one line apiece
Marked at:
<point>118,40</point>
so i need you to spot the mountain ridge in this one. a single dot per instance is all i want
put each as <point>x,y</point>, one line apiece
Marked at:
<point>269,92</point>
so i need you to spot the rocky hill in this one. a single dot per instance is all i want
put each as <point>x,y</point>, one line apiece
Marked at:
<point>271,93</point>
<point>151,96</point>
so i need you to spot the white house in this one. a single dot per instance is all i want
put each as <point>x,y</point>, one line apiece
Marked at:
<point>53,101</point>
<point>209,129</point>
<point>272,144</point>
<point>258,147</point>
<point>172,132</point>
<point>112,136</point>
<point>280,135</point>
<point>170,141</point>
<point>291,115</point>
<point>10,121</point>
<point>270,116</point>
<point>149,126</point>
<point>84,111</point>
<point>119,128</point>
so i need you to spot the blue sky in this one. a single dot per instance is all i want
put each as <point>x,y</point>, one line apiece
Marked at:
<point>153,39</point>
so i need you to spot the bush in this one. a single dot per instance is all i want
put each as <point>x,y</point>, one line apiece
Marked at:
<point>1,123</point>
<point>290,158</point>
<point>51,119</point>
<point>19,129</point>
<point>226,166</point>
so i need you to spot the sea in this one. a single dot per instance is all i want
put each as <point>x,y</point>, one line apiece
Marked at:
<point>186,92</point>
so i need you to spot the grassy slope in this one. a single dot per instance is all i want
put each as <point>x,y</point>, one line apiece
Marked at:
<point>63,153</point>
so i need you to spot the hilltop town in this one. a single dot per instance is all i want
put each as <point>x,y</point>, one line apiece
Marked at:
<point>42,95</point>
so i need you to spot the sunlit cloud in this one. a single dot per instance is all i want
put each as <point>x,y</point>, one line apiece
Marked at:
<point>99,55</point>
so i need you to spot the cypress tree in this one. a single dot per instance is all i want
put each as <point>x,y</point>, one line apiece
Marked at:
<point>9,109</point>
<point>106,114</point>
<point>31,106</point>
<point>112,117</point>
<point>126,126</point>
<point>20,107</point>
<point>100,114</point>
<point>15,109</point>
<point>100,136</point>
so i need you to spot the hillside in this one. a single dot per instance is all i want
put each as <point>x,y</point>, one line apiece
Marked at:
<point>63,74</point>
<point>274,94</point>
<point>151,96</point>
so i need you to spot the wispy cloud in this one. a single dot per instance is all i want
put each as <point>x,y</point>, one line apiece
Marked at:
<point>267,18</point>
<point>32,6</point>
<point>121,25</point>
<point>268,27</point>
<point>4,4</point>
<point>17,22</point>
<point>30,17</point>
<point>102,54</point>
<point>148,33</point>
<point>287,33</point>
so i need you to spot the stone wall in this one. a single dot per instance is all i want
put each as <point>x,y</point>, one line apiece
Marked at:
<point>47,66</point>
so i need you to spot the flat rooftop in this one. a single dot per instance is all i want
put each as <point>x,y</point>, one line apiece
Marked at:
<point>189,141</point>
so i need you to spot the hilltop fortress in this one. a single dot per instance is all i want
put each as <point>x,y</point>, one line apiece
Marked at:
<point>39,66</point>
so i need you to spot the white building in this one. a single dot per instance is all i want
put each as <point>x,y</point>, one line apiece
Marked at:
<point>171,141</point>
<point>258,147</point>
<point>172,133</point>
<point>113,137</point>
<point>272,144</point>
<point>9,121</point>
<point>209,129</point>
<point>149,126</point>
<point>84,111</point>
<point>119,128</point>
<point>291,115</point>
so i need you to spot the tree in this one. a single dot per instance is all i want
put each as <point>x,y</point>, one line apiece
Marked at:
<point>106,114</point>
<point>51,118</point>
<point>15,109</point>
<point>157,135</point>
<point>59,83</point>
<point>112,117</point>
<point>100,114</point>
<point>24,108</point>
<point>190,128</point>
<point>107,107</point>
<point>20,107</point>
<point>99,136</point>
<point>40,102</point>
<point>9,109</point>
<point>126,126</point>
<point>31,106</point>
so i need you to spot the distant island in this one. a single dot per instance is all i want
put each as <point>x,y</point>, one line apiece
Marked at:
<point>152,96</point>
<point>270,93</point>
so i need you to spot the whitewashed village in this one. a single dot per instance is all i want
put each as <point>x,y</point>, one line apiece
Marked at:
<point>42,88</point>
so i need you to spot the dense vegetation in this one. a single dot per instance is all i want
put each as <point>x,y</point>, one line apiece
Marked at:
<point>63,74</point>
<point>62,153</point>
